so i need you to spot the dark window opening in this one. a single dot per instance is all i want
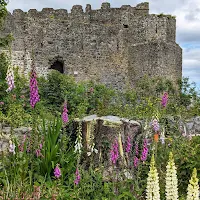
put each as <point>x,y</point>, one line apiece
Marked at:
<point>125,26</point>
<point>57,65</point>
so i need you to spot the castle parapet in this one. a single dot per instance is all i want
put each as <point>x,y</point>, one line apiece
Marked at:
<point>18,14</point>
<point>143,6</point>
<point>125,7</point>
<point>105,6</point>
<point>33,13</point>
<point>46,12</point>
<point>77,9</point>
<point>88,8</point>
<point>61,13</point>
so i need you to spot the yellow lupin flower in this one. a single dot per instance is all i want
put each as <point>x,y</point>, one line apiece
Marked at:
<point>171,188</point>
<point>193,187</point>
<point>153,188</point>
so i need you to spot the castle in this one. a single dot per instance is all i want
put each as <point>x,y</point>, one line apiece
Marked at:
<point>115,46</point>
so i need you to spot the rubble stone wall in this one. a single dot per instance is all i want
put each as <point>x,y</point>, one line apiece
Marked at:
<point>115,46</point>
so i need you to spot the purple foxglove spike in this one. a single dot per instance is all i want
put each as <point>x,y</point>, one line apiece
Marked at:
<point>128,145</point>
<point>136,161</point>
<point>114,153</point>
<point>78,177</point>
<point>164,100</point>
<point>34,95</point>
<point>57,172</point>
<point>65,113</point>
<point>144,151</point>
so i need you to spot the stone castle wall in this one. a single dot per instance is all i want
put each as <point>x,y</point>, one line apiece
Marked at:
<point>115,46</point>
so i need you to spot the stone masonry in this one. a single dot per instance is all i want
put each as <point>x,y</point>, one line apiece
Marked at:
<point>115,46</point>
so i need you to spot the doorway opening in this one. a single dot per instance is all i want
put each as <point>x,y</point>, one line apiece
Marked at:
<point>58,65</point>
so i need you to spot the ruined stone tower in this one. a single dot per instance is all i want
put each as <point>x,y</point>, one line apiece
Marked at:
<point>115,46</point>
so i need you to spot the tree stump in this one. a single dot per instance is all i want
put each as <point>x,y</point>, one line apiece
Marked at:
<point>99,133</point>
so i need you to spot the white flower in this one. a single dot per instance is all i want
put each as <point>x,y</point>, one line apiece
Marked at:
<point>92,149</point>
<point>171,188</point>
<point>162,136</point>
<point>193,187</point>
<point>10,79</point>
<point>12,148</point>
<point>153,188</point>
<point>96,151</point>
<point>89,153</point>
<point>78,142</point>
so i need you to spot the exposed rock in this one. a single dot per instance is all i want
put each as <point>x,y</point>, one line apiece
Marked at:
<point>193,126</point>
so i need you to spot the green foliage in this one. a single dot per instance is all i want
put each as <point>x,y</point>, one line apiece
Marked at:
<point>17,115</point>
<point>3,69</point>
<point>51,147</point>
<point>3,11</point>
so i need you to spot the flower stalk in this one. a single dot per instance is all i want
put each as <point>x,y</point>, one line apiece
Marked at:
<point>193,187</point>
<point>153,188</point>
<point>171,188</point>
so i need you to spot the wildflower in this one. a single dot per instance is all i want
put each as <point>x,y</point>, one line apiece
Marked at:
<point>38,152</point>
<point>37,192</point>
<point>155,125</point>
<point>40,146</point>
<point>78,142</point>
<point>114,153</point>
<point>144,151</point>
<point>12,148</point>
<point>24,138</point>
<point>153,188</point>
<point>136,161</point>
<point>65,114</point>
<point>22,96</point>
<point>193,187</point>
<point>21,147</point>
<point>14,96</point>
<point>57,172</point>
<point>10,79</point>
<point>92,149</point>
<point>78,177</point>
<point>91,90</point>
<point>34,95</point>
<point>171,189</point>
<point>156,137</point>
<point>1,103</point>
<point>162,137</point>
<point>128,145</point>
<point>164,99</point>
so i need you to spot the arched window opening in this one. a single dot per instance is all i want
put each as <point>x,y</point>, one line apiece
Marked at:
<point>58,65</point>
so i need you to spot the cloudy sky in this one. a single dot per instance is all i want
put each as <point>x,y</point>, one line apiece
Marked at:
<point>187,13</point>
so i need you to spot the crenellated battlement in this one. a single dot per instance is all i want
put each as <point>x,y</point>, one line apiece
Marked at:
<point>140,9</point>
